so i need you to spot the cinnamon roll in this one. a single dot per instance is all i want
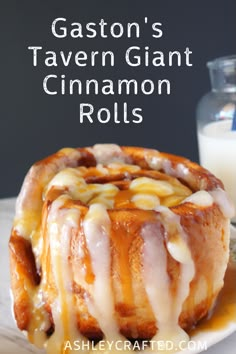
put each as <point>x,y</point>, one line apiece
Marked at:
<point>116,242</point>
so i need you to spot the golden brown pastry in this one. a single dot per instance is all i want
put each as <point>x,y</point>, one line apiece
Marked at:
<point>116,242</point>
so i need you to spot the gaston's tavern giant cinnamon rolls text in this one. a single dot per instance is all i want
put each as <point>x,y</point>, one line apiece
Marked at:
<point>134,56</point>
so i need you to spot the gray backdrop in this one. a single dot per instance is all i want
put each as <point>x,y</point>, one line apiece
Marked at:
<point>33,124</point>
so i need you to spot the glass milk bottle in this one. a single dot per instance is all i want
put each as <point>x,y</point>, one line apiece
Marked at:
<point>216,124</point>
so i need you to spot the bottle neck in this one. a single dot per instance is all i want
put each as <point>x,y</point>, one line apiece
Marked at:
<point>223,74</point>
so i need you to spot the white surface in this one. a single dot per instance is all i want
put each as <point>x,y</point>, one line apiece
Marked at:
<point>217,149</point>
<point>12,340</point>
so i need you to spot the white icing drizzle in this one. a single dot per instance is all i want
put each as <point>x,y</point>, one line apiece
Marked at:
<point>101,306</point>
<point>68,177</point>
<point>100,301</point>
<point>167,167</point>
<point>162,188</point>
<point>29,201</point>
<point>156,280</point>
<point>61,222</point>
<point>201,198</point>
<point>77,188</point>
<point>160,163</point>
<point>108,153</point>
<point>225,204</point>
<point>207,198</point>
<point>166,307</point>
<point>102,169</point>
<point>39,322</point>
<point>182,171</point>
<point>145,201</point>
<point>154,162</point>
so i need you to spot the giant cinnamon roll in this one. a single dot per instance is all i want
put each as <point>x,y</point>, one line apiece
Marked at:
<point>116,242</point>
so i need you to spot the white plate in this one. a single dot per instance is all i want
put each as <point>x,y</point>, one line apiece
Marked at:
<point>12,341</point>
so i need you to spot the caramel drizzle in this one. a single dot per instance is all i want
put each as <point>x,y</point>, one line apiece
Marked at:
<point>122,246</point>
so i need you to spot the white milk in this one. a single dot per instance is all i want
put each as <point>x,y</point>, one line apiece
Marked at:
<point>217,149</point>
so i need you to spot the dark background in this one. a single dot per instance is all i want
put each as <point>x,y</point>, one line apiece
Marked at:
<point>34,124</point>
